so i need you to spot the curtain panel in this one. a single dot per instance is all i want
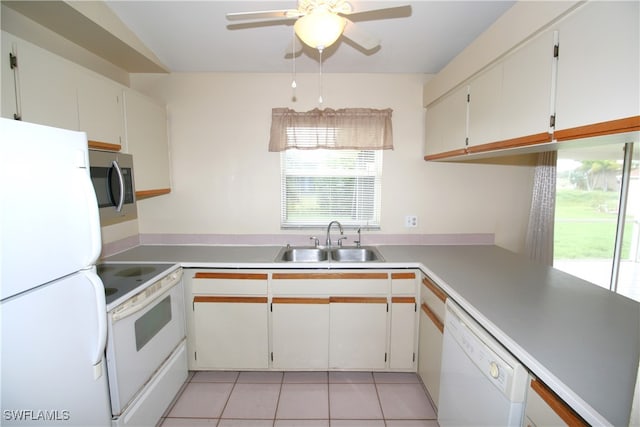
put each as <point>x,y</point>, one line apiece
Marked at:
<point>539,239</point>
<point>343,129</point>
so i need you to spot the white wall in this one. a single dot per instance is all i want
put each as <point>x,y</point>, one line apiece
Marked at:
<point>226,182</point>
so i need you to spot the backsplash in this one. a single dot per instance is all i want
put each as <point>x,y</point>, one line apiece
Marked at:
<point>294,240</point>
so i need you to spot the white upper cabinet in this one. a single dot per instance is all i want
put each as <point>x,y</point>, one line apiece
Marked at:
<point>528,89</point>
<point>485,94</point>
<point>42,89</point>
<point>508,104</point>
<point>598,66</point>
<point>146,140</point>
<point>100,109</point>
<point>513,98</point>
<point>446,123</point>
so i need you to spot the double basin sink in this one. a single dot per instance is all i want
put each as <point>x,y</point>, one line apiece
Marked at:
<point>338,254</point>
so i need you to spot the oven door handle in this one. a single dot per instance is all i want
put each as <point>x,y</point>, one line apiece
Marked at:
<point>137,304</point>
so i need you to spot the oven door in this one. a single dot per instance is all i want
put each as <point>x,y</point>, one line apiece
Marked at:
<point>142,333</point>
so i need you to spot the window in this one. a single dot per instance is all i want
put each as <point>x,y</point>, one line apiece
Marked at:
<point>331,165</point>
<point>593,239</point>
<point>322,185</point>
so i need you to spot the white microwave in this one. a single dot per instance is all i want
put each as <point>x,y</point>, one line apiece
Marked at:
<point>112,177</point>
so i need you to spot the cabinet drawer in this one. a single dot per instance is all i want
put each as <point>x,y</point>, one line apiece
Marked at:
<point>330,283</point>
<point>229,283</point>
<point>403,283</point>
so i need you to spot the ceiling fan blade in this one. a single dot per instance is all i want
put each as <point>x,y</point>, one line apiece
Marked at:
<point>264,14</point>
<point>259,24</point>
<point>386,13</point>
<point>360,37</point>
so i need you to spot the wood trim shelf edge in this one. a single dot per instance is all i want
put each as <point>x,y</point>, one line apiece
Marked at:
<point>293,276</point>
<point>434,318</point>
<point>218,299</point>
<point>297,300</point>
<point>442,296</point>
<point>231,276</point>
<point>557,405</point>
<point>358,300</point>
<point>628,124</point>
<point>399,276</point>
<point>523,141</point>
<point>99,145</point>
<point>145,194</point>
<point>446,154</point>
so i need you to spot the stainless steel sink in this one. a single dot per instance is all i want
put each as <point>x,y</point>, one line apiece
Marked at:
<point>312,254</point>
<point>355,254</point>
<point>302,254</point>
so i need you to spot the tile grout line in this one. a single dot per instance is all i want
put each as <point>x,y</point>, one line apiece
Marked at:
<point>228,398</point>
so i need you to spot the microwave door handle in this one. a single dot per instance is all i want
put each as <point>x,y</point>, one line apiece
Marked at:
<point>121,181</point>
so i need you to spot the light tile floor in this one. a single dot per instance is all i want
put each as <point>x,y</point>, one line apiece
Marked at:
<point>301,399</point>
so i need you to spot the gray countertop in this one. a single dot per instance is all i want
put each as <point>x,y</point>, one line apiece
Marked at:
<point>581,340</point>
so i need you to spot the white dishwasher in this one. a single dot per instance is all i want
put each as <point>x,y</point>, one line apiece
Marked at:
<point>481,383</point>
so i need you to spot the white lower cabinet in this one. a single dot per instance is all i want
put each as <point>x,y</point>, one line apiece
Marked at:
<point>358,333</point>
<point>431,330</point>
<point>404,321</point>
<point>402,352</point>
<point>302,319</point>
<point>231,332</point>
<point>228,321</point>
<point>300,333</point>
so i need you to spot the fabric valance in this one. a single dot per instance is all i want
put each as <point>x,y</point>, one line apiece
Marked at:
<point>347,128</point>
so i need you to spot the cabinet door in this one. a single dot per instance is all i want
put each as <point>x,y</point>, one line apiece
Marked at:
<point>358,333</point>
<point>446,123</point>
<point>527,85</point>
<point>231,332</point>
<point>485,93</point>
<point>300,333</point>
<point>403,333</point>
<point>599,64</point>
<point>146,140</point>
<point>432,312</point>
<point>100,109</point>
<point>430,352</point>
<point>45,85</point>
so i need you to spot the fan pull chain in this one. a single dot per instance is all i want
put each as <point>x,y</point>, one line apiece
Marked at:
<point>320,97</point>
<point>294,85</point>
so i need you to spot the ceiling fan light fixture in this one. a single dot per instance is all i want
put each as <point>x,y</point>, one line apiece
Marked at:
<point>320,28</point>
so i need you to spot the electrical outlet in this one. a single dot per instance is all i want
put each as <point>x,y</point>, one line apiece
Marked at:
<point>411,221</point>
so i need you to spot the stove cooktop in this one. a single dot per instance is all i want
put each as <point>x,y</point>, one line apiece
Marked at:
<point>120,279</point>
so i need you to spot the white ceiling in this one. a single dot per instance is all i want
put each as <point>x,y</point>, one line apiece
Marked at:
<point>192,36</point>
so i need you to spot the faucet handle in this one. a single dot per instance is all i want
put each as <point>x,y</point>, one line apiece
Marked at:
<point>316,242</point>
<point>341,239</point>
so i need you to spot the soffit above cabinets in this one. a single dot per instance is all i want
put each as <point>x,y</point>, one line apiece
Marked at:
<point>93,26</point>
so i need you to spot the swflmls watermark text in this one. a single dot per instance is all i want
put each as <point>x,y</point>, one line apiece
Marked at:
<point>36,415</point>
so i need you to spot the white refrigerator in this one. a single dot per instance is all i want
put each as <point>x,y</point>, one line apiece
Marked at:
<point>52,304</point>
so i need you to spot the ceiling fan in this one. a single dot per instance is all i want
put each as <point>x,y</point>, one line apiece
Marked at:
<point>319,23</point>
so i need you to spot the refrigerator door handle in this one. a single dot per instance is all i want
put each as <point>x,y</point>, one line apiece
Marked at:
<point>121,181</point>
<point>101,311</point>
<point>94,219</point>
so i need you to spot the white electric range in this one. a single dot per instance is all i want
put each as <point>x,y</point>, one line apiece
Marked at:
<point>146,339</point>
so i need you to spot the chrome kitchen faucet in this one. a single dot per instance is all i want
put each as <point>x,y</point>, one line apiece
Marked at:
<point>329,233</point>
